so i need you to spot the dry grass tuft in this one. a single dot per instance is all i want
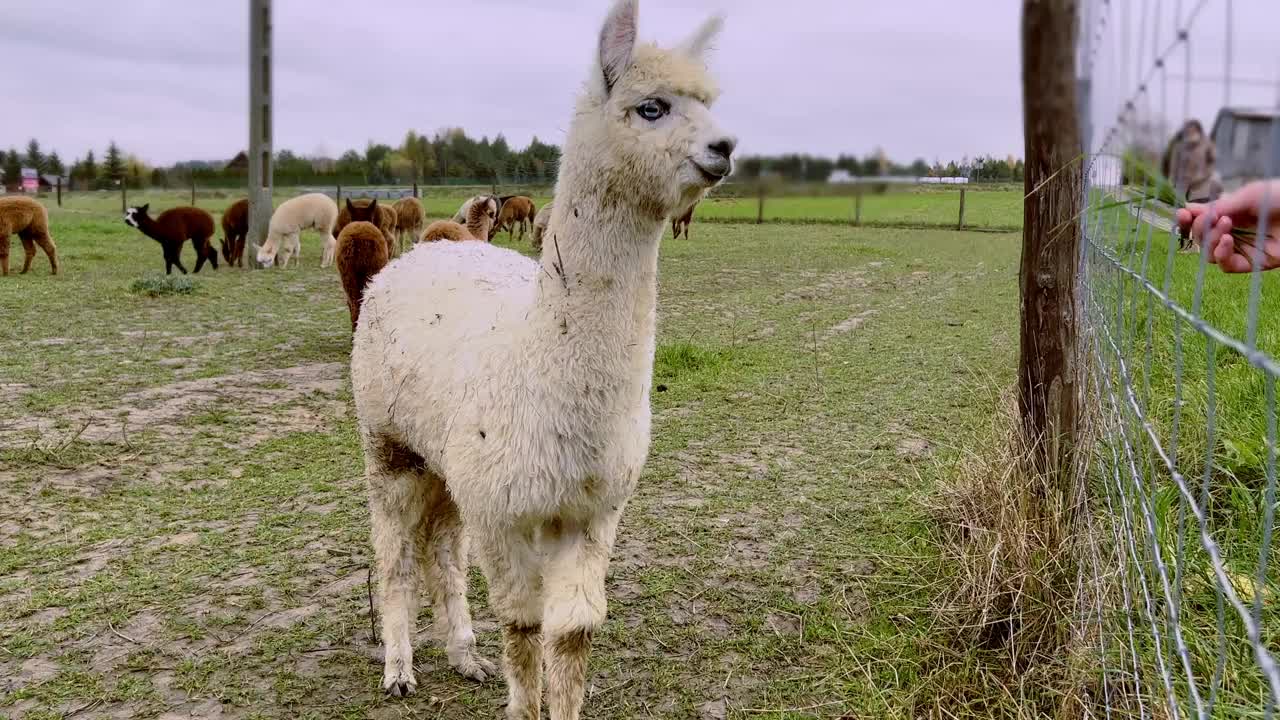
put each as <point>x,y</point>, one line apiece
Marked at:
<point>1012,544</point>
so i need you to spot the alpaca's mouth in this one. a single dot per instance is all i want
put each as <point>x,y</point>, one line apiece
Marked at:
<point>711,177</point>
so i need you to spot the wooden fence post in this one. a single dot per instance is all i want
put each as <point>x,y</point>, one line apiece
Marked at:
<point>338,199</point>
<point>415,187</point>
<point>193,190</point>
<point>857,206</point>
<point>59,186</point>
<point>760,206</point>
<point>960,225</point>
<point>124,196</point>
<point>1048,366</point>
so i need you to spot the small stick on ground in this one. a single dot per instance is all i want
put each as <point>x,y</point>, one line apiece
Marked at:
<point>368,586</point>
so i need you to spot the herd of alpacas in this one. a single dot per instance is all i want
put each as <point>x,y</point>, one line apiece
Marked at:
<point>502,401</point>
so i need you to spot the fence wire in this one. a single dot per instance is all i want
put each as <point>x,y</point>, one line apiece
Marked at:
<point>1184,606</point>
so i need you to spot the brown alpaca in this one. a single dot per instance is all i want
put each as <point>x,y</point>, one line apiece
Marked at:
<point>682,223</point>
<point>480,220</point>
<point>30,221</point>
<point>362,251</point>
<point>515,209</point>
<point>410,218</point>
<point>235,228</point>
<point>173,227</point>
<point>384,217</point>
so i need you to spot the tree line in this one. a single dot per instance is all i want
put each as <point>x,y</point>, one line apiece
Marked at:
<point>451,156</point>
<point>817,168</point>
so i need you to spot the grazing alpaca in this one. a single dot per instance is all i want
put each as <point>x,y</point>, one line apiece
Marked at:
<point>480,219</point>
<point>313,211</point>
<point>682,222</point>
<point>384,218</point>
<point>540,222</point>
<point>512,395</point>
<point>235,228</point>
<point>30,222</point>
<point>516,209</point>
<point>362,252</point>
<point>409,220</point>
<point>172,228</point>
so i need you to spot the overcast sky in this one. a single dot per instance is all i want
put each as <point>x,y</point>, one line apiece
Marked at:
<point>166,79</point>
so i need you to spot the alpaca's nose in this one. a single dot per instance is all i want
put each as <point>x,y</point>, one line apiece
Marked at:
<point>724,146</point>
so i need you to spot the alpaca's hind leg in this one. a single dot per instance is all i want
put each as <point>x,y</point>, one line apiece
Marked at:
<point>4,253</point>
<point>45,243</point>
<point>445,569</point>
<point>398,502</point>
<point>330,249</point>
<point>200,257</point>
<point>28,251</point>
<point>577,560</point>
<point>513,568</point>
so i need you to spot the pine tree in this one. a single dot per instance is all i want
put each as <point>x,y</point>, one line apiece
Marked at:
<point>113,163</point>
<point>53,164</point>
<point>89,167</point>
<point>34,159</point>
<point>12,168</point>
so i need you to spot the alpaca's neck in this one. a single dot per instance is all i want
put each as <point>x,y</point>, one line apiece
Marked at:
<point>597,289</point>
<point>479,228</point>
<point>151,229</point>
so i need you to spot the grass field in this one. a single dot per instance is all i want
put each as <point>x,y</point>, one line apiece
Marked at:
<point>989,209</point>
<point>183,526</point>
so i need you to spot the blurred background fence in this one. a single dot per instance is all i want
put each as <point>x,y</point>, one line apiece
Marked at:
<point>870,202</point>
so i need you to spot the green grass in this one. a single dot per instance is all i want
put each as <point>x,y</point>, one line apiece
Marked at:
<point>986,209</point>
<point>183,525</point>
<point>158,286</point>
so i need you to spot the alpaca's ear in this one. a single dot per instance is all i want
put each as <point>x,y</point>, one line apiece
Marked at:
<point>697,44</point>
<point>350,207</point>
<point>143,208</point>
<point>617,38</point>
<point>373,205</point>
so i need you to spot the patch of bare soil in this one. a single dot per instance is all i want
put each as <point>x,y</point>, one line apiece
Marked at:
<point>163,408</point>
<point>849,324</point>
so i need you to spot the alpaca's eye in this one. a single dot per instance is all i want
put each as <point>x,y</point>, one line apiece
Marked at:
<point>652,109</point>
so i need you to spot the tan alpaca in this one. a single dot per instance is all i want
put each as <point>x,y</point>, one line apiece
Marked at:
<point>27,219</point>
<point>409,220</point>
<point>315,211</point>
<point>481,216</point>
<point>512,395</point>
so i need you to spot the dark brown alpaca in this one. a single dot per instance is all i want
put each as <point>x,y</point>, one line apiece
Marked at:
<point>682,222</point>
<point>235,228</point>
<point>363,250</point>
<point>384,217</point>
<point>30,221</point>
<point>173,227</point>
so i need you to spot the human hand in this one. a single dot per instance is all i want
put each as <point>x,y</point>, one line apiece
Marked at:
<point>1227,227</point>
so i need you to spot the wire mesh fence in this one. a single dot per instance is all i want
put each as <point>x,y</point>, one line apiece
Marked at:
<point>1185,603</point>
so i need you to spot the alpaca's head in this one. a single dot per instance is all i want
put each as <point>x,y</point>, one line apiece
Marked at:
<point>365,213</point>
<point>134,216</point>
<point>644,126</point>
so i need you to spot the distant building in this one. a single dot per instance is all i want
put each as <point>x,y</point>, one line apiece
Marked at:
<point>239,163</point>
<point>841,176</point>
<point>1243,137</point>
<point>30,180</point>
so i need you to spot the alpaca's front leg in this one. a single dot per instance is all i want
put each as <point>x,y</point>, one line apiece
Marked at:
<point>513,567</point>
<point>577,560</point>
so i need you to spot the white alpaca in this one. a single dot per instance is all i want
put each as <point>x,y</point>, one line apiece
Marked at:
<point>513,395</point>
<point>313,211</point>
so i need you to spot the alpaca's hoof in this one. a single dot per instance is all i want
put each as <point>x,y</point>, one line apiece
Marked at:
<point>473,666</point>
<point>399,683</point>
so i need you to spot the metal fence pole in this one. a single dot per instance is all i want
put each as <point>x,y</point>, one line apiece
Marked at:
<point>260,168</point>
